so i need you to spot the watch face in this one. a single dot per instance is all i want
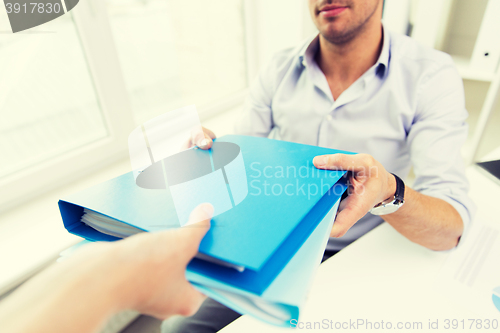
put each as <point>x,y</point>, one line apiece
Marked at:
<point>386,209</point>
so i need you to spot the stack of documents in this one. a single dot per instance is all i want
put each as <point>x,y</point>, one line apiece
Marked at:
<point>271,222</point>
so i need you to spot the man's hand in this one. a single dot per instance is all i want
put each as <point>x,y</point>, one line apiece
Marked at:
<point>369,184</point>
<point>145,272</point>
<point>202,139</point>
<point>152,268</point>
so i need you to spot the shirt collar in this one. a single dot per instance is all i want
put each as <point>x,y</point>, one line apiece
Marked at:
<point>308,52</point>
<point>385,54</point>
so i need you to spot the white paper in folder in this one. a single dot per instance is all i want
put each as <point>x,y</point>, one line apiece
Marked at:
<point>471,275</point>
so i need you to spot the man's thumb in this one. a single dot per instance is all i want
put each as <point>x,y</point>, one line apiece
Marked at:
<point>199,222</point>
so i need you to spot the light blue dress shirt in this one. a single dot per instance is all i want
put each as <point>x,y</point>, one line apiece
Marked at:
<point>407,110</point>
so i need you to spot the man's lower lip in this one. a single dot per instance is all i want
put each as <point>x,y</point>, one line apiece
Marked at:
<point>332,12</point>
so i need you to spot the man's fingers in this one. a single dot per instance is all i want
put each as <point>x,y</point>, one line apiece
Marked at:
<point>208,132</point>
<point>190,236</point>
<point>186,302</point>
<point>355,163</point>
<point>198,138</point>
<point>206,143</point>
<point>351,210</point>
<point>203,139</point>
<point>191,300</point>
<point>199,221</point>
<point>364,169</point>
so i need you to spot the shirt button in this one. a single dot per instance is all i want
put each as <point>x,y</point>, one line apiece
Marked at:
<point>329,117</point>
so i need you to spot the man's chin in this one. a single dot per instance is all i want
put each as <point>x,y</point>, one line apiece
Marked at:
<point>338,36</point>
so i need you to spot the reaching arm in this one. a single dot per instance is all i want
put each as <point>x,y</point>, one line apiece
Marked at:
<point>425,220</point>
<point>428,221</point>
<point>145,272</point>
<point>437,209</point>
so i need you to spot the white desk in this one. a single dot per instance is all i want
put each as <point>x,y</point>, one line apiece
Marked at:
<point>384,276</point>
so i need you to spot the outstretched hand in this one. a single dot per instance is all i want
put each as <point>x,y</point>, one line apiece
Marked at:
<point>145,272</point>
<point>369,184</point>
<point>153,265</point>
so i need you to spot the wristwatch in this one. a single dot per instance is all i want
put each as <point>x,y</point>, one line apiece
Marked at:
<point>392,204</point>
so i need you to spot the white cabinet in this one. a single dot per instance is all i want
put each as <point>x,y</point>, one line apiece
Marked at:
<point>469,31</point>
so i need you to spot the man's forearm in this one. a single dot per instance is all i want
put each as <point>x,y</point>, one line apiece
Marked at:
<point>428,221</point>
<point>425,220</point>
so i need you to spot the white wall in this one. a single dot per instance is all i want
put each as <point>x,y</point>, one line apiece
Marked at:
<point>275,25</point>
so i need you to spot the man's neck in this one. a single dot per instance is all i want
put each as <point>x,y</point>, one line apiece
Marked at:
<point>343,64</point>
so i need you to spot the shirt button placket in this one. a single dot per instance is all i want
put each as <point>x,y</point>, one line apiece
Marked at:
<point>324,129</point>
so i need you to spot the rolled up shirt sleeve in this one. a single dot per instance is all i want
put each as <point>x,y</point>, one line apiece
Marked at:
<point>436,137</point>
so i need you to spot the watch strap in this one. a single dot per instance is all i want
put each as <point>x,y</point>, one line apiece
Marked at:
<point>400,189</point>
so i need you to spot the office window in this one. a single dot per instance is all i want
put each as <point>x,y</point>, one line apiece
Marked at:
<point>48,104</point>
<point>175,53</point>
<point>72,89</point>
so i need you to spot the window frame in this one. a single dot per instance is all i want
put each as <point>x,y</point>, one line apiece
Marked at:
<point>93,27</point>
